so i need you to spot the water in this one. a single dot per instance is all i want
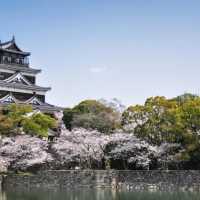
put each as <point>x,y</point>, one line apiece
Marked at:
<point>95,194</point>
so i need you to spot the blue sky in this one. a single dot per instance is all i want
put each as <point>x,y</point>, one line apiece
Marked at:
<point>104,49</point>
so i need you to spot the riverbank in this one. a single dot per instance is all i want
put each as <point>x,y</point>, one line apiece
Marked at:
<point>125,179</point>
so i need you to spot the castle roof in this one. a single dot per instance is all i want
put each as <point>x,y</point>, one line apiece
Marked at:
<point>34,101</point>
<point>12,47</point>
<point>14,68</point>
<point>15,86</point>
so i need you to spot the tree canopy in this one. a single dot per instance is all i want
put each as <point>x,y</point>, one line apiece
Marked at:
<point>92,114</point>
<point>162,120</point>
<point>16,119</point>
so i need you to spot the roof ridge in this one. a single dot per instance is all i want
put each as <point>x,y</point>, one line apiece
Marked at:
<point>9,41</point>
<point>6,47</point>
<point>31,100</point>
<point>5,43</point>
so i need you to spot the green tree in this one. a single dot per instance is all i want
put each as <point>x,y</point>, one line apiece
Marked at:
<point>153,121</point>
<point>17,114</point>
<point>174,120</point>
<point>17,118</point>
<point>190,119</point>
<point>68,117</point>
<point>38,124</point>
<point>6,124</point>
<point>91,114</point>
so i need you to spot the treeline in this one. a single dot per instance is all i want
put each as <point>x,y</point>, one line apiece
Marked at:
<point>159,120</point>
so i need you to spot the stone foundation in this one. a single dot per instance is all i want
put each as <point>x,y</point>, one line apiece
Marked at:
<point>1,182</point>
<point>131,180</point>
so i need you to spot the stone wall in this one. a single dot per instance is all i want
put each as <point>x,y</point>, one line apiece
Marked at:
<point>131,180</point>
<point>1,181</point>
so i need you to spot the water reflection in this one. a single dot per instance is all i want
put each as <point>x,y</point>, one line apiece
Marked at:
<point>94,194</point>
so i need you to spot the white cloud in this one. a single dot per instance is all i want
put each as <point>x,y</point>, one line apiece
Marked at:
<point>97,69</point>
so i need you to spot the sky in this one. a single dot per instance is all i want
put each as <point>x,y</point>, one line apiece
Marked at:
<point>92,49</point>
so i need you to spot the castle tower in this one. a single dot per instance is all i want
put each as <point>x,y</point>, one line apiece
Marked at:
<point>18,79</point>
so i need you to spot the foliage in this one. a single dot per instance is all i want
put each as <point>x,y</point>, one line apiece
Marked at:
<point>162,120</point>
<point>91,114</point>
<point>91,149</point>
<point>68,117</point>
<point>38,124</point>
<point>185,97</point>
<point>6,124</point>
<point>17,113</point>
<point>17,118</point>
<point>171,127</point>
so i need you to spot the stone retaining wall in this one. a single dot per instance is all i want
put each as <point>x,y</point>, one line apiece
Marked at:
<point>1,181</point>
<point>131,180</point>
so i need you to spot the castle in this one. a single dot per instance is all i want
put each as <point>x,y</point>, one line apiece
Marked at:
<point>18,79</point>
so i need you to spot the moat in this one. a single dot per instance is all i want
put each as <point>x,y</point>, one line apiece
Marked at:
<point>101,185</point>
<point>93,194</point>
